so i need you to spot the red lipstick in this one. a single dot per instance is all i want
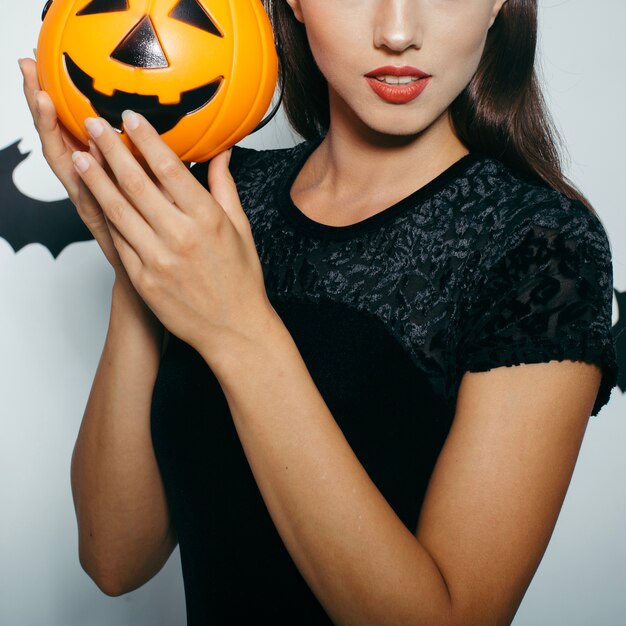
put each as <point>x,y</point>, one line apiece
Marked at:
<point>400,93</point>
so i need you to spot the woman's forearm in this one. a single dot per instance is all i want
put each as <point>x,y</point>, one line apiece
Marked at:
<point>123,521</point>
<point>360,560</point>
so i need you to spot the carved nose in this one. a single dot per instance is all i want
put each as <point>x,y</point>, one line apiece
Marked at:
<point>141,47</point>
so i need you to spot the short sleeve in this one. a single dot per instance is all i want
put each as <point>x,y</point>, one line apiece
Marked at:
<point>548,297</point>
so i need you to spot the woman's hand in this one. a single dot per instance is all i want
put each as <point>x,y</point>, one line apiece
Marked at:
<point>57,146</point>
<point>189,253</point>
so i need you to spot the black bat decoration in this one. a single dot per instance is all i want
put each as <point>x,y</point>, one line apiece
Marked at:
<point>25,220</point>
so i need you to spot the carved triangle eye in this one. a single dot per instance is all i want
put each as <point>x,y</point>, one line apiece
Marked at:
<point>190,12</point>
<point>141,47</point>
<point>104,6</point>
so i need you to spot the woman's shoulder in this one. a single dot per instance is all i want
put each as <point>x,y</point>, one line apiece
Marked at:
<point>512,205</point>
<point>540,284</point>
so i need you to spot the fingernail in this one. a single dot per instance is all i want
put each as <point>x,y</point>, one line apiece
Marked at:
<point>131,119</point>
<point>19,62</point>
<point>94,127</point>
<point>80,161</point>
<point>35,52</point>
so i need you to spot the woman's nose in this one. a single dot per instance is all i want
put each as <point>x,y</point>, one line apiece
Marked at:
<point>397,26</point>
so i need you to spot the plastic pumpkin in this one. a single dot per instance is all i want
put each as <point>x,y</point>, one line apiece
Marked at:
<point>203,72</point>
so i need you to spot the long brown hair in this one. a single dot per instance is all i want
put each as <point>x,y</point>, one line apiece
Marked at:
<point>501,113</point>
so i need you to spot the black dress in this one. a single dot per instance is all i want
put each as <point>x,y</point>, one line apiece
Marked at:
<point>475,270</point>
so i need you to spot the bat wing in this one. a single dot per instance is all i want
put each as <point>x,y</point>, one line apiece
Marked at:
<point>25,220</point>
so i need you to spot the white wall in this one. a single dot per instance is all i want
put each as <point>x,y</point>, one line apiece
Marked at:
<point>582,578</point>
<point>53,321</point>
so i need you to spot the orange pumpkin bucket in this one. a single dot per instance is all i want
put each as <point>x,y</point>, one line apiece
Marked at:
<point>203,72</point>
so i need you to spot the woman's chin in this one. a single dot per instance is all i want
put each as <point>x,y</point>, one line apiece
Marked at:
<point>394,126</point>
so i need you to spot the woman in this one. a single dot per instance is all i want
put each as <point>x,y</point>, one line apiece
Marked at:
<point>382,346</point>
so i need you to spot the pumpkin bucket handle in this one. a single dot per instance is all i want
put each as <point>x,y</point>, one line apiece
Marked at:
<point>273,112</point>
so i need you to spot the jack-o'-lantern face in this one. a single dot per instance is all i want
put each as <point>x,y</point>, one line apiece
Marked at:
<point>178,62</point>
<point>141,48</point>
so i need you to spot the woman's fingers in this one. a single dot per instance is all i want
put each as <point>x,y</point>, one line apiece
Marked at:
<point>40,103</point>
<point>31,83</point>
<point>224,191</point>
<point>181,185</point>
<point>127,258</point>
<point>117,209</point>
<point>57,145</point>
<point>91,214</point>
<point>96,154</point>
<point>132,179</point>
<point>56,141</point>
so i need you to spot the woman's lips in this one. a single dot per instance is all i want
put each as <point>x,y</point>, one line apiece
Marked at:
<point>400,93</point>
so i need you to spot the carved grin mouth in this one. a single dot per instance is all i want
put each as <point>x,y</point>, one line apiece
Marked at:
<point>162,116</point>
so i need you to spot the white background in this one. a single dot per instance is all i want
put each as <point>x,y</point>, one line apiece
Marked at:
<point>53,321</point>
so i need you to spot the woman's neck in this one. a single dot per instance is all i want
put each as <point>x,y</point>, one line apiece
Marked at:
<point>353,165</point>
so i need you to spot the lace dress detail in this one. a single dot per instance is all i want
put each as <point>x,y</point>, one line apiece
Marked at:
<point>477,269</point>
<point>549,297</point>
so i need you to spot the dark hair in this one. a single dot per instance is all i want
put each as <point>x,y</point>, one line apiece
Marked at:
<point>501,113</point>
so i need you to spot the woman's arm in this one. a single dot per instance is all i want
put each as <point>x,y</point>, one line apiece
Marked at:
<point>123,520</point>
<point>123,523</point>
<point>491,506</point>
